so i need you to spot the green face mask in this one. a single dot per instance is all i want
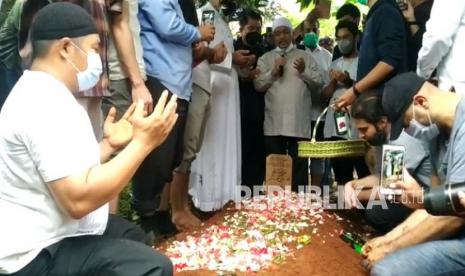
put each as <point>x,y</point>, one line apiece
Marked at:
<point>311,40</point>
<point>363,2</point>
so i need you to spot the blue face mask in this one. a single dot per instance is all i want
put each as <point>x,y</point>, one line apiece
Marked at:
<point>363,2</point>
<point>88,78</point>
<point>421,132</point>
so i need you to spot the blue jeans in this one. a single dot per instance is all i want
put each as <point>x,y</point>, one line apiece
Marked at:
<point>445,257</point>
<point>8,79</point>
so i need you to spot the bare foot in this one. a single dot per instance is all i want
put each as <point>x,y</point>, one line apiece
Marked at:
<point>185,220</point>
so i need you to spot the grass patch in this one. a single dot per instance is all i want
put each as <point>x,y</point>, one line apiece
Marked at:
<point>125,208</point>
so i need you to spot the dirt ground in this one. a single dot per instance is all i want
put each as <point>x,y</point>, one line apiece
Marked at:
<point>327,254</point>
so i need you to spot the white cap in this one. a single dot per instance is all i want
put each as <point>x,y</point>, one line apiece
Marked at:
<point>281,22</point>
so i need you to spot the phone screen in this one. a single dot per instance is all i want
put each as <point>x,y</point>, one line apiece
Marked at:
<point>392,168</point>
<point>208,18</point>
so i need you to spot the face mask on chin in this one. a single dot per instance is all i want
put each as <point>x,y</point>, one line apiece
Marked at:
<point>420,131</point>
<point>88,78</point>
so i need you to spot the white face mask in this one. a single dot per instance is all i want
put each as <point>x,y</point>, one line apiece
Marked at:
<point>88,78</point>
<point>421,132</point>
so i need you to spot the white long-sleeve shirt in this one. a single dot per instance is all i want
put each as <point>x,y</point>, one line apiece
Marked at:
<point>444,44</point>
<point>288,100</point>
<point>323,59</point>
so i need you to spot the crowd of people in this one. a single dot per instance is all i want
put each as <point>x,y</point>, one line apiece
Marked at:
<point>97,94</point>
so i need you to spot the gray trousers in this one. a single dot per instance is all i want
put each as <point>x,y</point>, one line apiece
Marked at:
<point>197,116</point>
<point>120,98</point>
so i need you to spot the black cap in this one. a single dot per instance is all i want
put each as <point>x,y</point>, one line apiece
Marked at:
<point>58,20</point>
<point>397,97</point>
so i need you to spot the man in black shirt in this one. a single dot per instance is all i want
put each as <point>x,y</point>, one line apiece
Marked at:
<point>252,102</point>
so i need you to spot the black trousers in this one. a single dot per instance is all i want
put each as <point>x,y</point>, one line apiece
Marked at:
<point>288,145</point>
<point>384,220</point>
<point>344,167</point>
<point>253,153</point>
<point>157,168</point>
<point>120,251</point>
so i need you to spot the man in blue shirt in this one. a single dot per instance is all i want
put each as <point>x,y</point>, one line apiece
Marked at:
<point>167,43</point>
<point>383,52</point>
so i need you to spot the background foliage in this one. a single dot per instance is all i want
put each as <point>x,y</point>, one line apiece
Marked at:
<point>5,8</point>
<point>295,11</point>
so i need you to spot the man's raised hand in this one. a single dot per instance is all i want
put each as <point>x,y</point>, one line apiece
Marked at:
<point>152,130</point>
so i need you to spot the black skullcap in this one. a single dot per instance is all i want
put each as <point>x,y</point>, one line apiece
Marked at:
<point>58,20</point>
<point>397,97</point>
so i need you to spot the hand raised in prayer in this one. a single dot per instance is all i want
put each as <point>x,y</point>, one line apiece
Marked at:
<point>299,65</point>
<point>150,131</point>
<point>118,134</point>
<point>338,76</point>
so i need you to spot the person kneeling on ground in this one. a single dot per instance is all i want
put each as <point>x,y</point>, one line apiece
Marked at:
<point>55,183</point>
<point>374,126</point>
<point>425,112</point>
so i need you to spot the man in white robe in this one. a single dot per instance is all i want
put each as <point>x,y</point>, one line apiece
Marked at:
<point>216,173</point>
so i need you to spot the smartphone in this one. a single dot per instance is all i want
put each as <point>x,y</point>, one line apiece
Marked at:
<point>208,17</point>
<point>392,168</point>
<point>402,4</point>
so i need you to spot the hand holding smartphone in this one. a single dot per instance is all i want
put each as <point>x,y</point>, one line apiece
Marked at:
<point>207,28</point>
<point>208,18</point>
<point>392,168</point>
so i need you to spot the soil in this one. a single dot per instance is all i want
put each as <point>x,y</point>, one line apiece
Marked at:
<point>327,254</point>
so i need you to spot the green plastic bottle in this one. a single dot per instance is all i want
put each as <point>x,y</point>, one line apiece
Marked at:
<point>341,122</point>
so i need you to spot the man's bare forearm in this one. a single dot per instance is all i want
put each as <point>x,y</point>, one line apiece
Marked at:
<point>423,228</point>
<point>367,182</point>
<point>124,45</point>
<point>82,194</point>
<point>375,77</point>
